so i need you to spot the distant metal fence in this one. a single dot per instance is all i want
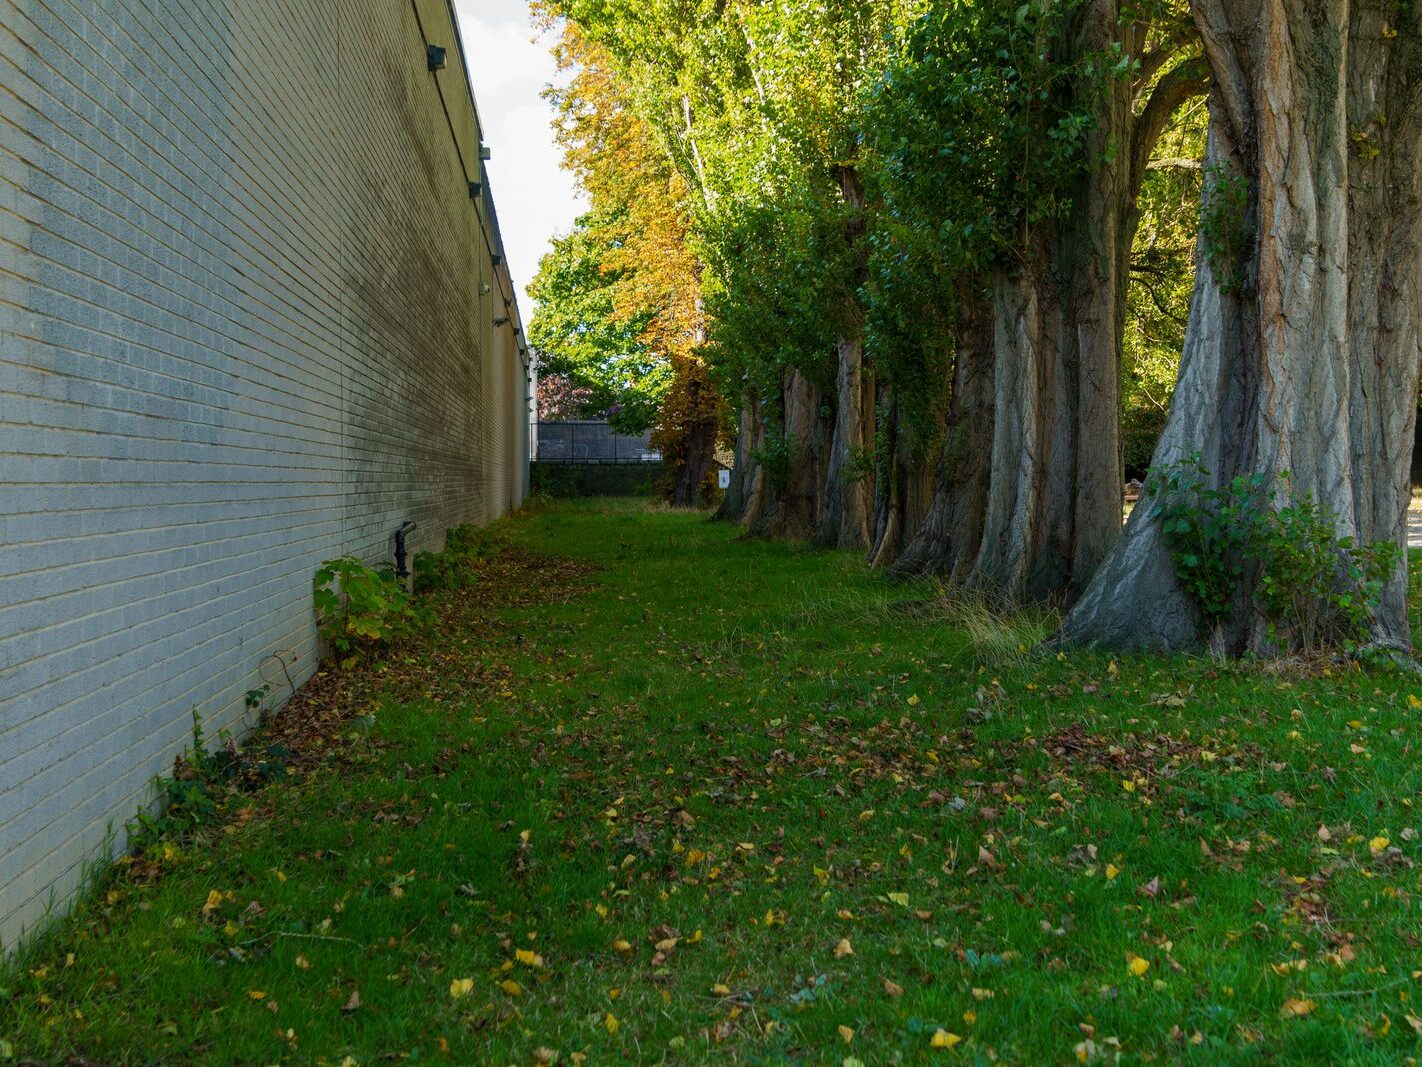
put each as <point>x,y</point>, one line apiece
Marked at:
<point>591,441</point>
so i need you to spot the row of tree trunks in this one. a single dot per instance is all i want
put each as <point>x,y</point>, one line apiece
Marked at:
<point>1302,350</point>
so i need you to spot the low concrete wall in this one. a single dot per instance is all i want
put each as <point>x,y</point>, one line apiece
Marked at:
<point>597,479</point>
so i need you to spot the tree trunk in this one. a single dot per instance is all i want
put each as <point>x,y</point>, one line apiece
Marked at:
<point>737,495</point>
<point>792,495</point>
<point>904,486</point>
<point>846,514</point>
<point>1054,507</point>
<point>692,436</point>
<point>949,537</point>
<point>1305,332</point>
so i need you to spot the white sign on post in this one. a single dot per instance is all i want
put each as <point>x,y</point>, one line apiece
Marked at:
<point>724,478</point>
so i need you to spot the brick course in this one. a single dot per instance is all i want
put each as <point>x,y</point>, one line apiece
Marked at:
<point>242,330</point>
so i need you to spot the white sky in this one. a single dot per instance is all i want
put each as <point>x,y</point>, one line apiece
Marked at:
<point>536,199</point>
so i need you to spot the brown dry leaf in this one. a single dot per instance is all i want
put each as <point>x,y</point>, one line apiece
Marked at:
<point>893,988</point>
<point>844,948</point>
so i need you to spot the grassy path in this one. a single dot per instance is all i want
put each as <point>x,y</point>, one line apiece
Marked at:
<point>705,800</point>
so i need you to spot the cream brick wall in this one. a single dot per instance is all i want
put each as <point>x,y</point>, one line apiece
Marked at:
<point>242,330</point>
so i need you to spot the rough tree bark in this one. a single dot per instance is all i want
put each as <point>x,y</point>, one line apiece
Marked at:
<point>846,513</point>
<point>903,486</point>
<point>1302,352</point>
<point>789,498</point>
<point>950,534</point>
<point>1054,503</point>
<point>738,494</point>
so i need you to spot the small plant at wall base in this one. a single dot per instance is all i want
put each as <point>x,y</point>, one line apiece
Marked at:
<point>189,799</point>
<point>1316,590</point>
<point>455,567</point>
<point>359,608</point>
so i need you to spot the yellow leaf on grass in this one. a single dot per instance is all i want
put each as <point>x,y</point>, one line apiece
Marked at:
<point>214,901</point>
<point>943,1039</point>
<point>1295,1007</point>
<point>611,1022</point>
<point>621,945</point>
<point>844,948</point>
<point>1111,871</point>
<point>846,1033</point>
<point>1377,844</point>
<point>512,988</point>
<point>256,994</point>
<point>1138,966</point>
<point>893,988</point>
<point>531,959</point>
<point>461,987</point>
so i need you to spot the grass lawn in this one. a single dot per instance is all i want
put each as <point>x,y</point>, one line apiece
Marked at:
<point>711,800</point>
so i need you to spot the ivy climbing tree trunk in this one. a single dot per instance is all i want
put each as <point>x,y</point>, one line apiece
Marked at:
<point>1303,345</point>
<point>1054,506</point>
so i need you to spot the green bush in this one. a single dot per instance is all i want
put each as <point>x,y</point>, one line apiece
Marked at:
<point>1316,590</point>
<point>360,608</point>
<point>456,566</point>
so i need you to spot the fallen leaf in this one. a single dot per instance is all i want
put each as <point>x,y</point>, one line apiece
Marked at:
<point>461,987</point>
<point>844,948</point>
<point>943,1039</point>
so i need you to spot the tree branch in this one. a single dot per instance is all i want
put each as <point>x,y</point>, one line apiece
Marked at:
<point>1186,80</point>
